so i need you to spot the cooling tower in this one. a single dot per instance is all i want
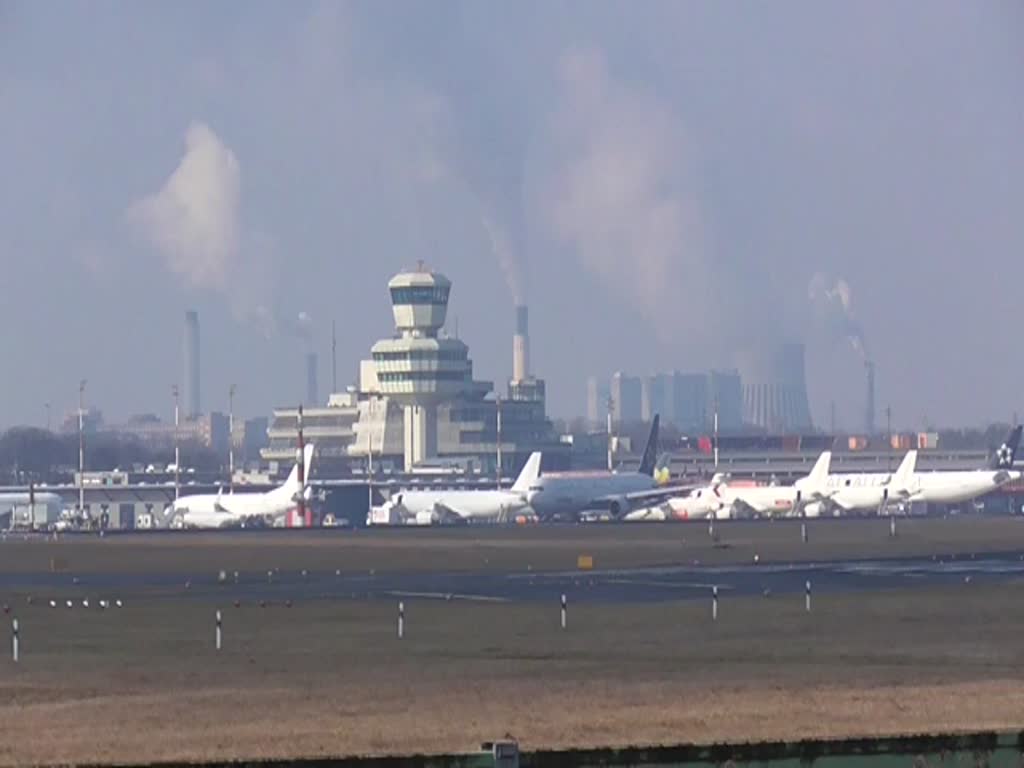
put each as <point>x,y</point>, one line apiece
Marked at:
<point>521,345</point>
<point>775,388</point>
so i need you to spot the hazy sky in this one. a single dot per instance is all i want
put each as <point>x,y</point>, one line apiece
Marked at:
<point>661,181</point>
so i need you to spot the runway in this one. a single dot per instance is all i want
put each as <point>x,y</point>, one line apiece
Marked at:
<point>629,585</point>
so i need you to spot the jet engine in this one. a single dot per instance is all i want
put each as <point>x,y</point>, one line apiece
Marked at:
<point>617,507</point>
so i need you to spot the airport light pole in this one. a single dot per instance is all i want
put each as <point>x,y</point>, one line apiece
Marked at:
<point>177,448</point>
<point>888,431</point>
<point>611,463</point>
<point>498,404</point>
<point>716,433</point>
<point>369,469</point>
<point>81,446</point>
<point>231,439</point>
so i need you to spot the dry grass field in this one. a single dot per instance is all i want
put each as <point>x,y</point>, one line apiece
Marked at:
<point>330,677</point>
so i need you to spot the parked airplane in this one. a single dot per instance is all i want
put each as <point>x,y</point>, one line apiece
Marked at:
<point>570,493</point>
<point>844,494</point>
<point>699,504</point>
<point>457,506</point>
<point>874,491</point>
<point>722,500</point>
<point>957,487</point>
<point>238,509</point>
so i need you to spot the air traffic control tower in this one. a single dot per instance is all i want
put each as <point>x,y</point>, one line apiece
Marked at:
<point>420,367</point>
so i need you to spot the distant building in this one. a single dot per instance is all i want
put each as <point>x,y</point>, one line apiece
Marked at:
<point>597,402</point>
<point>250,438</point>
<point>626,398</point>
<point>690,402</point>
<point>725,391</point>
<point>655,398</point>
<point>92,422</point>
<point>209,430</point>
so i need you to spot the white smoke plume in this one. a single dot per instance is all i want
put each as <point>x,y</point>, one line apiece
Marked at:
<point>620,196</point>
<point>299,326</point>
<point>193,220</point>
<point>832,301</point>
<point>506,257</point>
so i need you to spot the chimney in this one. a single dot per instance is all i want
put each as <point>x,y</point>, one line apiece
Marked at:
<point>521,346</point>
<point>869,400</point>
<point>193,407</point>
<point>312,388</point>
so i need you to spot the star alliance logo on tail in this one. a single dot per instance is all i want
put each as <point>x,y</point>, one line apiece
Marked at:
<point>1005,455</point>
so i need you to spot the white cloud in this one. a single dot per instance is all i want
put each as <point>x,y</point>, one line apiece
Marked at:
<point>619,195</point>
<point>194,219</point>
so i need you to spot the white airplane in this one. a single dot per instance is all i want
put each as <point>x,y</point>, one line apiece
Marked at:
<point>699,504</point>
<point>239,509</point>
<point>720,500</point>
<point>458,506</point>
<point>956,487</point>
<point>865,491</point>
<point>844,494</point>
<point>617,493</point>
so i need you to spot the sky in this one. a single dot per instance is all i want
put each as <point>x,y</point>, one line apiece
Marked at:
<point>664,183</point>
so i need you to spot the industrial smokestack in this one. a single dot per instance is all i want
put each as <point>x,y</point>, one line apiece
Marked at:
<point>521,345</point>
<point>191,354</point>
<point>312,388</point>
<point>869,400</point>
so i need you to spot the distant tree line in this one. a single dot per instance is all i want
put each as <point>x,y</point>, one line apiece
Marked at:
<point>29,454</point>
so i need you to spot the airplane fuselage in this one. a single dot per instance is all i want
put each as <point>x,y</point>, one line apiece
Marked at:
<point>480,506</point>
<point>571,493</point>
<point>957,487</point>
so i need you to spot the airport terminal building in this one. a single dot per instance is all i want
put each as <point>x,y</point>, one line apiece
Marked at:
<point>417,405</point>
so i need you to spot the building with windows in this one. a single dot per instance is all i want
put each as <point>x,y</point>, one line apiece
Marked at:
<point>597,402</point>
<point>656,397</point>
<point>417,402</point>
<point>626,396</point>
<point>687,401</point>
<point>690,402</point>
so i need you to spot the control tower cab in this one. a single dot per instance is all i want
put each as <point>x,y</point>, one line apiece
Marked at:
<point>420,367</point>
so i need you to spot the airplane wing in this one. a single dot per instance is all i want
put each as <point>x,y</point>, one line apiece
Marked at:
<point>651,495</point>
<point>743,509</point>
<point>448,514</point>
<point>624,503</point>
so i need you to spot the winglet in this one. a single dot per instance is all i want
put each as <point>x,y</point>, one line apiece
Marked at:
<point>650,458</point>
<point>529,473</point>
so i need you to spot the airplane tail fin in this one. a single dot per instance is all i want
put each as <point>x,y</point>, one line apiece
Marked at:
<point>1004,457</point>
<point>650,458</point>
<point>904,473</point>
<point>819,472</point>
<point>529,473</point>
<point>291,485</point>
